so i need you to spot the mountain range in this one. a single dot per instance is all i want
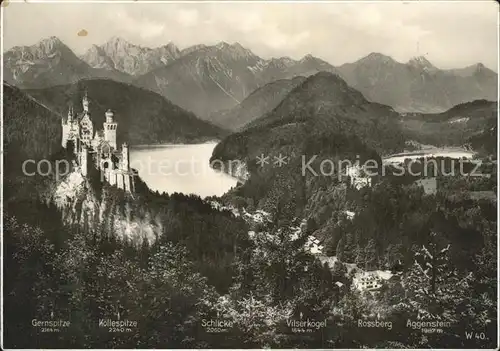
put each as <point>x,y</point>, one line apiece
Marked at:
<point>418,85</point>
<point>48,63</point>
<point>210,80</point>
<point>207,79</point>
<point>118,54</point>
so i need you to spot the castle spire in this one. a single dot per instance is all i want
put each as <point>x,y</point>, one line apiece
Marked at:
<point>70,112</point>
<point>85,102</point>
<point>125,157</point>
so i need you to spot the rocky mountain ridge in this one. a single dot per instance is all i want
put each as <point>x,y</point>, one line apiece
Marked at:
<point>128,58</point>
<point>205,79</point>
<point>418,86</point>
<point>50,62</point>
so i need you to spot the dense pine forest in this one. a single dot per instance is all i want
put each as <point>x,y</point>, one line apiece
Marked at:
<point>200,263</point>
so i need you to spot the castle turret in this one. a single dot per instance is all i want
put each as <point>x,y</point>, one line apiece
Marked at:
<point>66,127</point>
<point>125,157</point>
<point>110,129</point>
<point>85,102</point>
<point>84,158</point>
<point>109,116</point>
<point>70,114</point>
<point>128,181</point>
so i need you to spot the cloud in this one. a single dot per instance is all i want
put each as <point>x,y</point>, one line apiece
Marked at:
<point>142,27</point>
<point>187,17</point>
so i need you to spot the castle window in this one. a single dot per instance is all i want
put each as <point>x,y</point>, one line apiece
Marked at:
<point>105,164</point>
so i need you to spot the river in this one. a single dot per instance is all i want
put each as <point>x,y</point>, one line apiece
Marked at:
<point>180,168</point>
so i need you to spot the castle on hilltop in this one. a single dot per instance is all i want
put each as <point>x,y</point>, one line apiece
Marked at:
<point>99,149</point>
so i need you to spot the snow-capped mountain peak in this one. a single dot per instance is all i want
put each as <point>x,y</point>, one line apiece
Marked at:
<point>376,58</point>
<point>222,45</point>
<point>52,41</point>
<point>235,51</point>
<point>307,57</point>
<point>116,40</point>
<point>421,62</point>
<point>117,53</point>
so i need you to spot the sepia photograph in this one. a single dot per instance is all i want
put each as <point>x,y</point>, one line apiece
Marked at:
<point>249,174</point>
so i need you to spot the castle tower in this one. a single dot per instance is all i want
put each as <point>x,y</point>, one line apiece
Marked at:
<point>85,102</point>
<point>84,158</point>
<point>110,129</point>
<point>70,114</point>
<point>66,127</point>
<point>125,157</point>
<point>128,181</point>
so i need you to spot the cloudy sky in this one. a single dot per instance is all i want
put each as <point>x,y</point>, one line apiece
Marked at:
<point>452,34</point>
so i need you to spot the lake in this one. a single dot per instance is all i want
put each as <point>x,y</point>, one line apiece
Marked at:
<point>451,152</point>
<point>180,168</point>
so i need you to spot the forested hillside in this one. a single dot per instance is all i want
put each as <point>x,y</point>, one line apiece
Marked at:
<point>461,125</point>
<point>143,117</point>
<point>255,105</point>
<point>320,119</point>
<point>391,226</point>
<point>30,128</point>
